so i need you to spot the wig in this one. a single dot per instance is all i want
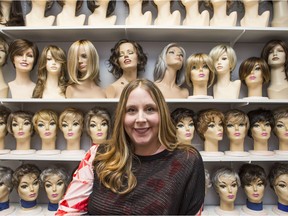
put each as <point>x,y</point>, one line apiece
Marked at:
<point>78,4</point>
<point>181,113</point>
<point>76,114</point>
<point>226,172</point>
<point>92,5</point>
<point>235,116</point>
<point>6,175</point>
<point>15,15</point>
<point>249,173</point>
<point>46,115</point>
<point>25,169</point>
<point>27,115</point>
<point>60,172</point>
<point>5,49</point>
<point>49,4</point>
<point>277,170</point>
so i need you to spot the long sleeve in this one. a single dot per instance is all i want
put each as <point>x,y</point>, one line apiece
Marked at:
<point>76,197</point>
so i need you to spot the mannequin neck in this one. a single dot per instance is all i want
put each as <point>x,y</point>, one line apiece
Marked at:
<point>69,7</point>
<point>255,90</point>
<point>278,76</point>
<point>226,206</point>
<point>192,9</point>
<point>102,9</point>
<point>283,144</point>
<point>200,88</point>
<point>38,8</point>
<point>220,9</point>
<point>49,144</point>
<point>4,205</point>
<point>211,145</point>
<point>280,8</point>
<point>254,206</point>
<point>129,75</point>
<point>164,9</point>
<point>237,145</point>
<point>2,143</point>
<point>52,79</point>
<point>73,144</point>
<point>23,144</point>
<point>6,7</point>
<point>261,145</point>
<point>251,8</point>
<point>169,78</point>
<point>1,76</point>
<point>22,77</point>
<point>135,8</point>
<point>223,78</point>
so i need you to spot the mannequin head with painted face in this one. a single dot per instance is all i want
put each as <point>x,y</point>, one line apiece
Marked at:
<point>4,113</point>
<point>281,127</point>
<point>6,185</point>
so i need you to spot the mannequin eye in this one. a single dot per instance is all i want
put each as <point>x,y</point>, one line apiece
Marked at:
<point>241,125</point>
<point>257,68</point>
<point>267,124</point>
<point>104,124</point>
<point>23,186</point>
<point>279,125</point>
<point>229,125</point>
<point>1,184</point>
<point>52,123</point>
<point>2,123</point>
<point>222,186</point>
<point>92,125</point>
<point>180,125</point>
<point>234,185</point>
<point>256,125</point>
<point>211,125</point>
<point>75,124</point>
<point>64,125</point>
<point>60,183</point>
<point>171,52</point>
<point>14,124</point>
<point>48,185</point>
<point>191,124</point>
<point>205,66</point>
<point>194,67</point>
<point>26,123</point>
<point>40,125</point>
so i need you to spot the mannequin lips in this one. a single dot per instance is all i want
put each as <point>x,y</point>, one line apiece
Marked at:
<point>99,134</point>
<point>220,134</point>
<point>237,134</point>
<point>252,77</point>
<point>231,196</point>
<point>286,133</point>
<point>264,134</point>
<point>54,195</point>
<point>127,61</point>
<point>24,64</point>
<point>48,133</point>
<point>188,134</point>
<point>70,134</point>
<point>275,58</point>
<point>20,133</point>
<point>32,195</point>
<point>201,75</point>
<point>255,195</point>
<point>219,67</point>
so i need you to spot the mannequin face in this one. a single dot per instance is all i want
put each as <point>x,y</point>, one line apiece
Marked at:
<point>277,56</point>
<point>2,55</point>
<point>222,64</point>
<point>214,130</point>
<point>185,130</point>
<point>4,192</point>
<point>55,188</point>
<point>128,58</point>
<point>71,128</point>
<point>21,128</point>
<point>82,60</point>
<point>3,129</point>
<point>227,188</point>
<point>52,65</point>
<point>255,76</point>
<point>261,131</point>
<point>281,188</point>
<point>236,131</point>
<point>47,129</point>
<point>199,74</point>
<point>98,128</point>
<point>255,191</point>
<point>174,57</point>
<point>24,62</point>
<point>28,187</point>
<point>281,128</point>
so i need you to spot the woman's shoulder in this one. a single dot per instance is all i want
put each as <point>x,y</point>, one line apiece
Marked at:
<point>189,154</point>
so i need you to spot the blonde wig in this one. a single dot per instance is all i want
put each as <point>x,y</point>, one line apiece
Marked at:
<point>46,115</point>
<point>235,116</point>
<point>76,114</point>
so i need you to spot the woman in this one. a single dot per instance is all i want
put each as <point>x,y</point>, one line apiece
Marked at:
<point>209,126</point>
<point>83,71</point>
<point>236,125</point>
<point>226,182</point>
<point>45,122</point>
<point>135,16</point>
<point>97,124</point>
<point>225,60</point>
<point>253,181</point>
<point>24,56</point>
<point>261,124</point>
<point>281,129</point>
<point>3,60</point>
<point>278,179</point>
<point>52,70</point>
<point>183,120</point>
<point>169,72</point>
<point>143,137</point>
<point>126,61</point>
<point>26,182</point>
<point>4,113</point>
<point>200,73</point>
<point>20,125</point>
<point>67,17</point>
<point>275,53</point>
<point>55,181</point>
<point>6,187</point>
<point>254,72</point>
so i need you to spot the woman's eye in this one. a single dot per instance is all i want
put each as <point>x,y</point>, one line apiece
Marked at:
<point>150,109</point>
<point>131,110</point>
<point>23,186</point>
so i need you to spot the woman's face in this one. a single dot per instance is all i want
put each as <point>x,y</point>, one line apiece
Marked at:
<point>277,56</point>
<point>281,188</point>
<point>2,55</point>
<point>82,60</point>
<point>128,58</point>
<point>21,128</point>
<point>255,77</point>
<point>47,129</point>
<point>281,128</point>
<point>24,61</point>
<point>214,130</point>
<point>98,129</point>
<point>222,64</point>
<point>255,191</point>
<point>185,130</point>
<point>174,57</point>
<point>199,73</point>
<point>236,131</point>
<point>141,121</point>
<point>227,188</point>
<point>71,128</point>
<point>4,192</point>
<point>28,187</point>
<point>261,130</point>
<point>3,128</point>
<point>52,66</point>
<point>55,188</point>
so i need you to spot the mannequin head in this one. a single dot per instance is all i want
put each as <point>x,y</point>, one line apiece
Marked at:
<point>254,70</point>
<point>93,4</point>
<point>236,124</point>
<point>126,48</point>
<point>51,62</point>
<point>15,14</point>
<point>278,179</point>
<point>208,182</point>
<point>253,181</point>
<point>98,124</point>
<point>71,123</point>
<point>55,181</point>
<point>219,54</point>
<point>4,113</point>
<point>79,3</point>
<point>3,52</point>
<point>211,3</point>
<point>261,124</point>
<point>281,123</point>
<point>183,120</point>
<point>45,123</point>
<point>164,60</point>
<point>6,185</point>
<point>199,67</point>
<point>19,124</point>
<point>83,62</point>
<point>48,3</point>
<point>209,124</point>
<point>276,48</point>
<point>26,181</point>
<point>21,46</point>
<point>226,182</point>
